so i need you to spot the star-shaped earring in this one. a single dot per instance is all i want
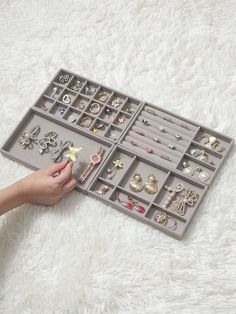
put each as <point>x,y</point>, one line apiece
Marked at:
<point>73,153</point>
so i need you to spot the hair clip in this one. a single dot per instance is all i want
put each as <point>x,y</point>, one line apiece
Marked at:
<point>48,139</point>
<point>173,193</point>
<point>179,205</point>
<point>27,138</point>
<point>73,153</point>
<point>56,153</point>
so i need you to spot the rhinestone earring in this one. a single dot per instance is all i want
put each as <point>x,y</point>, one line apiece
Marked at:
<point>150,186</point>
<point>136,185</point>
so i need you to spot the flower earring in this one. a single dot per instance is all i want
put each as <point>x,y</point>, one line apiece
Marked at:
<point>150,186</point>
<point>136,185</point>
<point>118,164</point>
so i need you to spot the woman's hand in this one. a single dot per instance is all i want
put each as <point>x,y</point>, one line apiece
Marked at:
<point>45,186</point>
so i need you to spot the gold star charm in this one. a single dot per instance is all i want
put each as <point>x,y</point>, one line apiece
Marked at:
<point>73,153</point>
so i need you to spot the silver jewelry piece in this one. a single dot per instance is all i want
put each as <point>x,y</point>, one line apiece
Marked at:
<point>66,99</point>
<point>162,129</point>
<point>56,153</point>
<point>48,139</point>
<point>76,85</point>
<point>64,78</point>
<point>27,138</point>
<point>172,146</point>
<point>54,92</point>
<point>72,118</point>
<point>89,90</point>
<point>95,108</point>
<point>145,122</point>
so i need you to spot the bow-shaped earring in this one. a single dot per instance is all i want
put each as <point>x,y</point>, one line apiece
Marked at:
<point>179,205</point>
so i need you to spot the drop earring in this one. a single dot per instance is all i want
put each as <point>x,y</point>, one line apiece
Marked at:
<point>131,204</point>
<point>150,186</point>
<point>136,185</point>
<point>187,169</point>
<point>118,164</point>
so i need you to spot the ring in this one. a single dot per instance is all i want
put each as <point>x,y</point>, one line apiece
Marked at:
<point>86,122</point>
<point>95,108</point>
<point>66,99</point>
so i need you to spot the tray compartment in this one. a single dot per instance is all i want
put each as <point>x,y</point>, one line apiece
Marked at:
<point>102,188</point>
<point>63,78</point>
<point>117,100</point>
<point>76,84</point>
<point>176,204</point>
<point>113,133</point>
<point>58,109</point>
<point>197,169</point>
<point>44,103</point>
<point>94,108</point>
<point>81,102</point>
<point>53,91</point>
<point>212,140</point>
<point>67,97</point>
<point>72,115</point>
<point>103,95</point>
<point>35,160</point>
<point>166,222</point>
<point>131,106</point>
<point>90,89</point>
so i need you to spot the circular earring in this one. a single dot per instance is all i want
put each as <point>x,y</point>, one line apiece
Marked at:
<point>151,185</point>
<point>187,169</point>
<point>202,175</point>
<point>136,185</point>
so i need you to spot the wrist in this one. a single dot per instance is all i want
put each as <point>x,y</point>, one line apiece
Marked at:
<point>19,192</point>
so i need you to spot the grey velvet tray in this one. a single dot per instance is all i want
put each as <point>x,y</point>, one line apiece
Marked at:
<point>148,139</point>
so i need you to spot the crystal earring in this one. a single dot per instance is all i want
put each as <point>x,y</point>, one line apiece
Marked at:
<point>131,204</point>
<point>136,185</point>
<point>151,185</point>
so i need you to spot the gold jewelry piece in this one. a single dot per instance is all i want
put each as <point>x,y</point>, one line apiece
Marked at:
<point>95,159</point>
<point>118,164</point>
<point>103,190</point>
<point>95,108</point>
<point>97,127</point>
<point>179,205</point>
<point>27,138</point>
<point>76,85</point>
<point>86,122</point>
<point>73,153</point>
<point>151,185</point>
<point>212,143</point>
<point>44,107</point>
<point>164,219</point>
<point>136,185</point>
<point>117,102</point>
<point>173,193</point>
<point>48,139</point>
<point>103,96</point>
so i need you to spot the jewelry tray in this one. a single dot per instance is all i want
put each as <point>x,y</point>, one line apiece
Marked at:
<point>148,139</point>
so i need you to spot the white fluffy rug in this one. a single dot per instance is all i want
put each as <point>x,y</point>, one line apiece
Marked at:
<point>81,256</point>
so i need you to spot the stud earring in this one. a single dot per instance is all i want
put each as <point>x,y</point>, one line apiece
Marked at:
<point>64,78</point>
<point>151,185</point>
<point>148,149</point>
<point>118,164</point>
<point>27,138</point>
<point>202,175</point>
<point>49,139</point>
<point>145,122</point>
<point>136,185</point>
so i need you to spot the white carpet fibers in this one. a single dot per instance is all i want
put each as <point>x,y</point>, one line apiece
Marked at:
<point>81,256</point>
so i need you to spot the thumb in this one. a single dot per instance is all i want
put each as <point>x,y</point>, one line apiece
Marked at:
<point>57,167</point>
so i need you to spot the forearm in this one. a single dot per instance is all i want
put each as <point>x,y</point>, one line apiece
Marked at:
<point>11,197</point>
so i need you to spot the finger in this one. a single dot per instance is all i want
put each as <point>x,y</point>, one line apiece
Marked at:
<point>57,167</point>
<point>70,185</point>
<point>66,174</point>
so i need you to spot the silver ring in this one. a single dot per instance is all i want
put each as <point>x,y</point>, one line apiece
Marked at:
<point>95,108</point>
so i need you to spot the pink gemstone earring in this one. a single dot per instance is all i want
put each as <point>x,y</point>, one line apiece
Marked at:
<point>131,204</point>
